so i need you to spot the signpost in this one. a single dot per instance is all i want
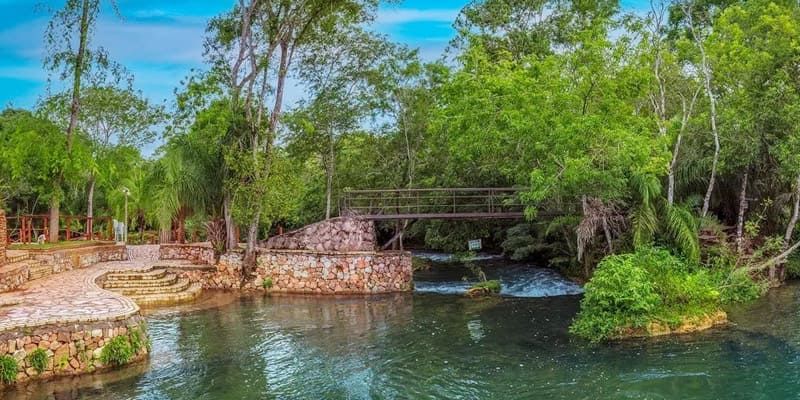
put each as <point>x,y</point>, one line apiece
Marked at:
<point>474,245</point>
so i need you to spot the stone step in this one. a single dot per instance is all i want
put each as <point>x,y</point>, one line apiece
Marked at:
<point>191,293</point>
<point>179,286</point>
<point>134,275</point>
<point>166,280</point>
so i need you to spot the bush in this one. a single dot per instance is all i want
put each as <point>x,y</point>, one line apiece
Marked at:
<point>492,286</point>
<point>267,283</point>
<point>138,340</point>
<point>38,360</point>
<point>8,369</point>
<point>628,291</point>
<point>117,352</point>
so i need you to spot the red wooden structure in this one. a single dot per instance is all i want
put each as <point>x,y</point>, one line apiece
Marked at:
<point>27,228</point>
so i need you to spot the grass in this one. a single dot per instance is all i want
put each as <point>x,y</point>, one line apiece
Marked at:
<point>57,246</point>
<point>117,352</point>
<point>8,369</point>
<point>38,360</point>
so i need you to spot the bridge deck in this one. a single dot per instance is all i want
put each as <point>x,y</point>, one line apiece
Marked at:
<point>446,203</point>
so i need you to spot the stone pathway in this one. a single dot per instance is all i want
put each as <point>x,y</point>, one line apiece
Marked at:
<point>68,297</point>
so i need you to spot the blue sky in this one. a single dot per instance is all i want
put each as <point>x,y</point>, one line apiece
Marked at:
<point>161,41</point>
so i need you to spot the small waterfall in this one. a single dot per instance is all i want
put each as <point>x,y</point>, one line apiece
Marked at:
<point>517,280</point>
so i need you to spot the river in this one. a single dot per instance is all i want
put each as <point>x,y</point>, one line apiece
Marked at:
<point>435,344</point>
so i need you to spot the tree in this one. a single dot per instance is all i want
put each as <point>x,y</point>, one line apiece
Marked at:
<point>112,118</point>
<point>337,68</point>
<point>70,26</point>
<point>254,46</point>
<point>34,151</point>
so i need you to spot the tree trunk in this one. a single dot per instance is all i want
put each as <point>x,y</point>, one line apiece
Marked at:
<point>328,193</point>
<point>76,78</point>
<point>55,204</point>
<point>164,234</point>
<point>90,209</point>
<point>742,210</point>
<point>787,237</point>
<point>181,231</point>
<point>141,228</point>
<point>230,228</point>
<point>671,173</point>
<point>329,171</point>
<point>707,73</point>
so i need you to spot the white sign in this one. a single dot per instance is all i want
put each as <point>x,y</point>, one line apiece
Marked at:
<point>475,244</point>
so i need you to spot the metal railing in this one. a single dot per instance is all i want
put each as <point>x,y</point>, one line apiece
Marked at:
<point>446,203</point>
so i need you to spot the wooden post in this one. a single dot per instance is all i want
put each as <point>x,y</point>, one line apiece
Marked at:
<point>69,233</point>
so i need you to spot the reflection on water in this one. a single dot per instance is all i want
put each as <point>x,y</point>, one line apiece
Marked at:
<point>443,347</point>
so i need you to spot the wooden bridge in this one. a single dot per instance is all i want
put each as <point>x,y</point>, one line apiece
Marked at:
<point>447,203</point>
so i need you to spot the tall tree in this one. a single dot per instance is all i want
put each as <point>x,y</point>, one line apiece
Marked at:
<point>68,39</point>
<point>111,118</point>
<point>255,45</point>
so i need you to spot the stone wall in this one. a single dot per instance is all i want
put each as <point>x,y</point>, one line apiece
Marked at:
<point>13,276</point>
<point>198,253</point>
<point>82,257</point>
<point>226,274</point>
<point>336,234</point>
<point>72,349</point>
<point>335,273</point>
<point>43,263</point>
<point>3,237</point>
<point>301,271</point>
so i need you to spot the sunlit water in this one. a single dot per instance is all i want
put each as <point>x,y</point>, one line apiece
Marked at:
<point>436,346</point>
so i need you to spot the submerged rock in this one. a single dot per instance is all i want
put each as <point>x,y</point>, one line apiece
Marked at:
<point>687,325</point>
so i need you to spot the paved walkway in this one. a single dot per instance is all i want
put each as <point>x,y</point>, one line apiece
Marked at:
<point>68,297</point>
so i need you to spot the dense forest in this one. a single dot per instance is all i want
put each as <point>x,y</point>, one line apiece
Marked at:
<point>668,139</point>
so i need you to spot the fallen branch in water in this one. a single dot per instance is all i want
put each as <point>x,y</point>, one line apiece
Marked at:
<point>777,259</point>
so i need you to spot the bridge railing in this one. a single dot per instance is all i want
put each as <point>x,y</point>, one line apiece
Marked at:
<point>447,203</point>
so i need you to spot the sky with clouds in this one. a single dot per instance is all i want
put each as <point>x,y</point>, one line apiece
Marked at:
<point>161,41</point>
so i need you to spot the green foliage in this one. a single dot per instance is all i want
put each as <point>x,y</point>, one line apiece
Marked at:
<point>8,369</point>
<point>267,283</point>
<point>118,351</point>
<point>628,291</point>
<point>492,286</point>
<point>138,340</point>
<point>38,360</point>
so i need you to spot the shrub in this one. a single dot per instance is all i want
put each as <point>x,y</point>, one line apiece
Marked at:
<point>38,360</point>
<point>267,283</point>
<point>117,352</point>
<point>138,340</point>
<point>631,290</point>
<point>492,286</point>
<point>8,369</point>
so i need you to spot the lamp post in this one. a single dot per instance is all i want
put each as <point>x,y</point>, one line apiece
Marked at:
<point>125,232</point>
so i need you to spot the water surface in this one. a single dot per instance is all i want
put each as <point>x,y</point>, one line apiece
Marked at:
<point>439,346</point>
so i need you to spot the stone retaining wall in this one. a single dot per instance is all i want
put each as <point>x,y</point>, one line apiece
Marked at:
<point>300,271</point>
<point>48,262</point>
<point>14,276</point>
<point>71,349</point>
<point>81,257</point>
<point>198,253</point>
<point>3,237</point>
<point>336,234</point>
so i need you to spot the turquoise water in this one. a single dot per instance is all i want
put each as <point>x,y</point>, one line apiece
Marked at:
<point>434,346</point>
